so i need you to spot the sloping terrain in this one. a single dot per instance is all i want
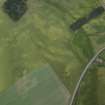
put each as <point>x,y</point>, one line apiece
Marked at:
<point>40,87</point>
<point>43,35</point>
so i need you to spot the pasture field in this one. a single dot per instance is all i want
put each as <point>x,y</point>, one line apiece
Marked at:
<point>43,36</point>
<point>41,87</point>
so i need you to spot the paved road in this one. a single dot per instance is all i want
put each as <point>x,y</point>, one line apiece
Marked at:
<point>84,73</point>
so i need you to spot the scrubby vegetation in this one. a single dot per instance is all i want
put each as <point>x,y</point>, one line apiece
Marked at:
<point>82,21</point>
<point>15,8</point>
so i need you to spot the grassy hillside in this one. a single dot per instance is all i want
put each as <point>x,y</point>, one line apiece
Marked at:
<point>43,35</point>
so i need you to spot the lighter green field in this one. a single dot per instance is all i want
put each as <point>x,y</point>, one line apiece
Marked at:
<point>43,36</point>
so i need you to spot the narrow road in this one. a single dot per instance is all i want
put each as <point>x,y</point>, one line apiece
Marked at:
<point>84,73</point>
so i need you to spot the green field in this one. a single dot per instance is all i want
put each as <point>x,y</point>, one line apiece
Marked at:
<point>43,36</point>
<point>40,87</point>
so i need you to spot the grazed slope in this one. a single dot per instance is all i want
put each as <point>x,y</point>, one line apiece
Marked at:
<point>43,36</point>
<point>31,89</point>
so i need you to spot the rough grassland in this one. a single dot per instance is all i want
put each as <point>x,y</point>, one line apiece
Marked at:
<point>43,36</point>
